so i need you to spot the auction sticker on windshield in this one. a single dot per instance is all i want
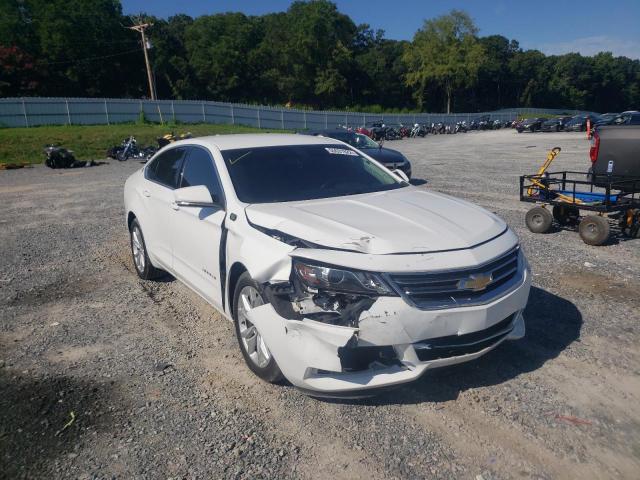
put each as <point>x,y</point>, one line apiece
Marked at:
<point>341,151</point>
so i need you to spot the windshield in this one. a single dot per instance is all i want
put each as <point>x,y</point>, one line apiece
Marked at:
<point>303,172</point>
<point>354,139</point>
<point>362,141</point>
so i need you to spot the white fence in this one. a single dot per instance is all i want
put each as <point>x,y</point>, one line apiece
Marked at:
<point>36,111</point>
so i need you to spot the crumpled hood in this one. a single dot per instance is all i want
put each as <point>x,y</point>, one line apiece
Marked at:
<point>397,221</point>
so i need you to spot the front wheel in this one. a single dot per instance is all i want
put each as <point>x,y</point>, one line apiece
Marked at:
<point>539,220</point>
<point>256,354</point>
<point>122,155</point>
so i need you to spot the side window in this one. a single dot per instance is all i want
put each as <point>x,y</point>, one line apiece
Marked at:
<point>199,170</point>
<point>166,168</point>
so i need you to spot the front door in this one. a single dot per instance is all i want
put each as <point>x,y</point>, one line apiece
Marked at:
<point>197,231</point>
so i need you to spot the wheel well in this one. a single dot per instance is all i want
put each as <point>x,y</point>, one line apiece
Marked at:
<point>130,218</point>
<point>236,270</point>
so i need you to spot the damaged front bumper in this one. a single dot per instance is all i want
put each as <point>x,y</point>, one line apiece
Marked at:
<point>393,342</point>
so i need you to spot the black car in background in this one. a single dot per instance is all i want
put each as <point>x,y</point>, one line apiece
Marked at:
<point>579,123</point>
<point>530,124</point>
<point>392,159</point>
<point>607,118</point>
<point>627,118</point>
<point>554,124</point>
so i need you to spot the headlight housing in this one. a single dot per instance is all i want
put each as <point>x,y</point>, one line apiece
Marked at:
<point>318,277</point>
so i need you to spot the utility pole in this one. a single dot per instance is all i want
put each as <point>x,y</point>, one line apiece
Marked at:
<point>141,28</point>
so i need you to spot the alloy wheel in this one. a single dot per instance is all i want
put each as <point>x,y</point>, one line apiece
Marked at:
<point>137,248</point>
<point>252,341</point>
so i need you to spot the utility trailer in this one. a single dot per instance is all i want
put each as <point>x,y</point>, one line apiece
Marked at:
<point>610,199</point>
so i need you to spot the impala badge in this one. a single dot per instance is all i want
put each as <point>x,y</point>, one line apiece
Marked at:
<point>475,282</point>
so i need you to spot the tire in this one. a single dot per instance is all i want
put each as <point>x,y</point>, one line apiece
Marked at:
<point>538,220</point>
<point>566,214</point>
<point>254,351</point>
<point>141,261</point>
<point>594,230</point>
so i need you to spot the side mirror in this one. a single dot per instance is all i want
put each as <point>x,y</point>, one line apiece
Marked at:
<point>401,174</point>
<point>197,196</point>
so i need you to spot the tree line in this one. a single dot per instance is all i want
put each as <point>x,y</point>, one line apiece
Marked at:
<point>310,56</point>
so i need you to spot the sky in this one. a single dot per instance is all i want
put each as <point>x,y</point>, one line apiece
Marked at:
<point>554,27</point>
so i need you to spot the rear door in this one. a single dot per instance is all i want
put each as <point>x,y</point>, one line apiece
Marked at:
<point>163,175</point>
<point>197,231</point>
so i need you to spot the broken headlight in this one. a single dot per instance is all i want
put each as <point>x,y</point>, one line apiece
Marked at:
<point>317,277</point>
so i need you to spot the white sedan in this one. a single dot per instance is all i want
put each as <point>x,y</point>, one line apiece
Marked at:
<point>339,275</point>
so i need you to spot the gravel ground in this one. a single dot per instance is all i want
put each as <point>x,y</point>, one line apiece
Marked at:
<point>158,389</point>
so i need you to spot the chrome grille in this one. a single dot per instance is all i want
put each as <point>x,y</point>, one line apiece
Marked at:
<point>477,285</point>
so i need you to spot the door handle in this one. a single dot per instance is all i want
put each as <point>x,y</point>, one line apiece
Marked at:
<point>175,206</point>
<point>146,193</point>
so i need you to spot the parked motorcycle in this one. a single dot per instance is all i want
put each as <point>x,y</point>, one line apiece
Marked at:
<point>418,131</point>
<point>392,132</point>
<point>129,149</point>
<point>172,137</point>
<point>58,157</point>
<point>364,131</point>
<point>461,127</point>
<point>438,128</point>
<point>404,131</point>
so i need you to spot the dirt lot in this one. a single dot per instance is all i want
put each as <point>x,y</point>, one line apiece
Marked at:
<point>158,388</point>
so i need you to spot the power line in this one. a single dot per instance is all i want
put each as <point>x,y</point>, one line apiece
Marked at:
<point>90,59</point>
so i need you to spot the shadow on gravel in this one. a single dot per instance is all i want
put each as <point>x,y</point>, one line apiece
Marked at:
<point>33,415</point>
<point>417,182</point>
<point>552,322</point>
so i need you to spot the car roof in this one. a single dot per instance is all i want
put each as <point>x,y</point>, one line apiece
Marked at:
<point>255,140</point>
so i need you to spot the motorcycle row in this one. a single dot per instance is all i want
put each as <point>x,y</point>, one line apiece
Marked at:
<point>57,156</point>
<point>129,147</point>
<point>381,131</point>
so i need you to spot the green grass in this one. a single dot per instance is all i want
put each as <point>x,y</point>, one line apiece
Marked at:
<point>91,142</point>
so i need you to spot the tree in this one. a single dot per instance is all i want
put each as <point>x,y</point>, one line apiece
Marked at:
<point>19,74</point>
<point>174,74</point>
<point>80,43</point>
<point>528,72</point>
<point>309,55</point>
<point>305,55</point>
<point>445,51</point>
<point>495,86</point>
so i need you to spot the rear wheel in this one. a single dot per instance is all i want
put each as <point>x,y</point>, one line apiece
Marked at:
<point>566,214</point>
<point>539,220</point>
<point>256,354</point>
<point>594,230</point>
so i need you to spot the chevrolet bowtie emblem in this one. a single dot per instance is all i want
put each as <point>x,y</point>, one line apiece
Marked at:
<point>475,282</point>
